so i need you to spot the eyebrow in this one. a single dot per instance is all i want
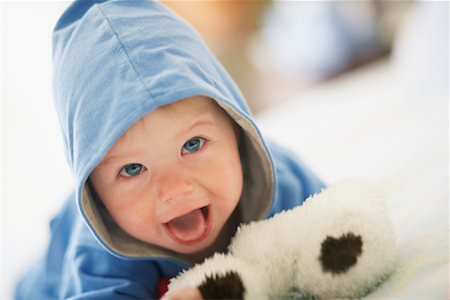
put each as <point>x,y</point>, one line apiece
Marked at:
<point>200,122</point>
<point>108,159</point>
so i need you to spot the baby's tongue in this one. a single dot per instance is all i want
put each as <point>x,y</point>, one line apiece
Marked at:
<point>188,227</point>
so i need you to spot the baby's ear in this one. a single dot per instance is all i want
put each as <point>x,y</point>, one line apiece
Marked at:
<point>228,286</point>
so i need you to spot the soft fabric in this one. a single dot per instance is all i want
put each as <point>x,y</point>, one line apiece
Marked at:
<point>113,63</point>
<point>339,244</point>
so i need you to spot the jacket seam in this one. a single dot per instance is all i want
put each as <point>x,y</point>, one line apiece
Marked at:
<point>122,46</point>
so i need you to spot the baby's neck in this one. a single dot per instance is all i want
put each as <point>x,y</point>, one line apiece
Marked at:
<point>222,241</point>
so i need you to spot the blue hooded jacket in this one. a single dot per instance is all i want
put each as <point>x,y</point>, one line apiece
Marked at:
<point>113,63</point>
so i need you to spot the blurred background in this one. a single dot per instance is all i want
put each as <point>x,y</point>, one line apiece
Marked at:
<point>354,87</point>
<point>275,48</point>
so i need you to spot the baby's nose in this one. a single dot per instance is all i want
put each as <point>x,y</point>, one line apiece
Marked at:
<point>173,187</point>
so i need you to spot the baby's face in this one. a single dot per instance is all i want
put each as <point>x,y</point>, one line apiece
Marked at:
<point>174,178</point>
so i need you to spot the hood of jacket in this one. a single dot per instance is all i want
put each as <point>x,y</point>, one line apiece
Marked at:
<point>116,61</point>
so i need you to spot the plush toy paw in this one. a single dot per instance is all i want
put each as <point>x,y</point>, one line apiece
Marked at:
<point>224,276</point>
<point>338,244</point>
<point>227,286</point>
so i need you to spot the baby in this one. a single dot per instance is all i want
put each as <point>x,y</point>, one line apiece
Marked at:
<point>166,158</point>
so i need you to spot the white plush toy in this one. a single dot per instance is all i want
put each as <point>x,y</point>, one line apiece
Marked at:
<point>338,244</point>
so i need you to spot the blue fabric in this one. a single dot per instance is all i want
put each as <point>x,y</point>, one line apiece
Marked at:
<point>114,62</point>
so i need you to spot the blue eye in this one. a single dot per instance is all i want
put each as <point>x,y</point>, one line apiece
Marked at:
<point>131,170</point>
<point>193,145</point>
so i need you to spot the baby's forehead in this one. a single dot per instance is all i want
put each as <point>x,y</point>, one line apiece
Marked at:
<point>186,110</point>
<point>182,113</point>
<point>193,105</point>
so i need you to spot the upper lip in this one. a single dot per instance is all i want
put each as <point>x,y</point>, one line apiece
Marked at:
<point>178,214</point>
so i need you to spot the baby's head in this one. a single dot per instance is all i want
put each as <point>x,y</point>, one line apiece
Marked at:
<point>174,177</point>
<point>157,172</point>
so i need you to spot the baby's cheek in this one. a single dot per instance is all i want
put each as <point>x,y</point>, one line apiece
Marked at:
<point>230,186</point>
<point>235,176</point>
<point>136,219</point>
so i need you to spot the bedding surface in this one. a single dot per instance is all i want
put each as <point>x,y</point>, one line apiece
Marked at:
<point>368,124</point>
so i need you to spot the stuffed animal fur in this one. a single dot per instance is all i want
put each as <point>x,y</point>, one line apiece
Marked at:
<point>338,244</point>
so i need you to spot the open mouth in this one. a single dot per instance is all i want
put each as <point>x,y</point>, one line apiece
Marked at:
<point>190,228</point>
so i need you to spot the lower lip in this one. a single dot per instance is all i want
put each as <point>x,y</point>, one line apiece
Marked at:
<point>205,233</point>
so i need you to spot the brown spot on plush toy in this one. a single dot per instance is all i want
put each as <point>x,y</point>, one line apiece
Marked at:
<point>339,255</point>
<point>228,286</point>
